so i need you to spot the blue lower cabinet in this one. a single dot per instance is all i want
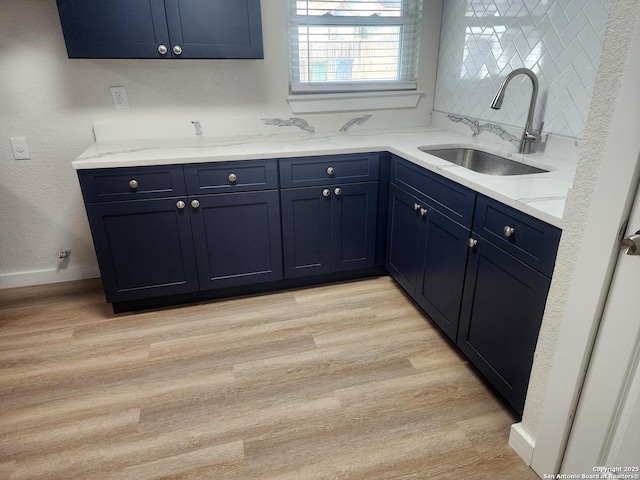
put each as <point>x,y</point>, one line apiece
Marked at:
<point>502,310</point>
<point>404,229</point>
<point>144,248</point>
<point>306,231</point>
<point>237,238</point>
<point>329,228</point>
<point>427,256</point>
<point>443,262</point>
<point>354,212</point>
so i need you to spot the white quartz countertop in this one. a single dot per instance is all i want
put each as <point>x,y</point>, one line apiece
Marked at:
<point>541,195</point>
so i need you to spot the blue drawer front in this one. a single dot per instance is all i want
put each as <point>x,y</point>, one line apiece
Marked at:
<point>533,241</point>
<point>235,176</point>
<point>328,170</point>
<point>115,184</point>
<point>451,199</point>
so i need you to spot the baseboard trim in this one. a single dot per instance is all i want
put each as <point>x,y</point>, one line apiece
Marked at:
<point>41,277</point>
<point>521,443</point>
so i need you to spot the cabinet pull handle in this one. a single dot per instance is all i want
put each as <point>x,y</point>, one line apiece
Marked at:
<point>133,183</point>
<point>177,50</point>
<point>338,191</point>
<point>180,204</point>
<point>330,171</point>
<point>195,203</point>
<point>233,177</point>
<point>472,242</point>
<point>326,192</point>
<point>416,206</point>
<point>423,211</point>
<point>508,231</point>
<point>162,49</point>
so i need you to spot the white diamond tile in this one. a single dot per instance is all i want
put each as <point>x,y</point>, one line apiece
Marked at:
<point>572,118</point>
<point>572,7</point>
<point>522,46</point>
<point>597,14</point>
<point>574,28</point>
<point>556,16</point>
<point>538,33</point>
<point>541,9</point>
<point>591,42</point>
<point>553,43</point>
<point>483,40</point>
<point>581,97</point>
<point>531,5</point>
<point>567,56</point>
<point>582,63</point>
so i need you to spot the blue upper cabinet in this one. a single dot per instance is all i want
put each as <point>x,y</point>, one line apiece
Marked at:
<point>215,28</point>
<point>162,28</point>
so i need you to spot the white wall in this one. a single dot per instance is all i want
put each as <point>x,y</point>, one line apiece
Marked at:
<point>597,208</point>
<point>481,42</point>
<point>53,102</point>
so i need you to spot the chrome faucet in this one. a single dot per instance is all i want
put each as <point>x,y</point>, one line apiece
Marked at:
<point>528,136</point>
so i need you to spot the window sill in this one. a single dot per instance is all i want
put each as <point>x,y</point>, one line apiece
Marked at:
<point>343,102</point>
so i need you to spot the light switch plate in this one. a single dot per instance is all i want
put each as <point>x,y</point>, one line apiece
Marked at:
<point>19,148</point>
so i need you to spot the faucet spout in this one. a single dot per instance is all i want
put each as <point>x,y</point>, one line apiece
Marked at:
<point>528,136</point>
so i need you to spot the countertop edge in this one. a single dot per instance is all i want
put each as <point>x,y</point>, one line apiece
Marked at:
<point>118,155</point>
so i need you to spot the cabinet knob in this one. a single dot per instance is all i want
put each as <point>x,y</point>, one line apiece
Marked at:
<point>195,203</point>
<point>416,206</point>
<point>472,242</point>
<point>326,192</point>
<point>177,50</point>
<point>133,183</point>
<point>233,177</point>
<point>423,211</point>
<point>631,245</point>
<point>180,204</point>
<point>330,171</point>
<point>162,49</point>
<point>508,231</point>
<point>338,191</point>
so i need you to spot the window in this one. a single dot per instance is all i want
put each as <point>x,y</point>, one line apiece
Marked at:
<point>353,45</point>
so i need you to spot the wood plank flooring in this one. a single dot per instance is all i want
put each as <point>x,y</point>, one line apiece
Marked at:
<point>345,381</point>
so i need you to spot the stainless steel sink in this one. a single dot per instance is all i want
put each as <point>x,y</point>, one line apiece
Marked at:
<point>481,162</point>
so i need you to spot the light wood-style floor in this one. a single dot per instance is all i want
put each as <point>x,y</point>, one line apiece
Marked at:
<point>347,381</point>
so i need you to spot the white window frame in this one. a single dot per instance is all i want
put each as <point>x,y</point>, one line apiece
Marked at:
<point>409,22</point>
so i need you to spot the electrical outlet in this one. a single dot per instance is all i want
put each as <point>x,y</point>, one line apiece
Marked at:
<point>120,99</point>
<point>19,148</point>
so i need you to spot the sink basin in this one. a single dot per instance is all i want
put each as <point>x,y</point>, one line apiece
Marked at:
<point>481,162</point>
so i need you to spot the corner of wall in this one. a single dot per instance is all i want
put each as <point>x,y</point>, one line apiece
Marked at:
<point>521,442</point>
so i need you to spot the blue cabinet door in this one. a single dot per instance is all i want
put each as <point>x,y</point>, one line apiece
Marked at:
<point>237,238</point>
<point>215,28</point>
<point>138,28</point>
<point>405,225</point>
<point>144,248</point>
<point>114,28</point>
<point>502,310</point>
<point>443,262</point>
<point>353,226</point>
<point>306,231</point>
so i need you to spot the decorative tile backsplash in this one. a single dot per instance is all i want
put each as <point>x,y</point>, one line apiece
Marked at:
<point>483,40</point>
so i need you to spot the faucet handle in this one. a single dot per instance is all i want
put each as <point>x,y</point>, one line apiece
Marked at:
<point>538,134</point>
<point>534,136</point>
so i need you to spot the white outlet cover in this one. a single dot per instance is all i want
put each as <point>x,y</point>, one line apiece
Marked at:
<point>19,148</point>
<point>120,98</point>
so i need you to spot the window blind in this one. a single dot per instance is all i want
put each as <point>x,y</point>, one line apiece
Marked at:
<point>353,45</point>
